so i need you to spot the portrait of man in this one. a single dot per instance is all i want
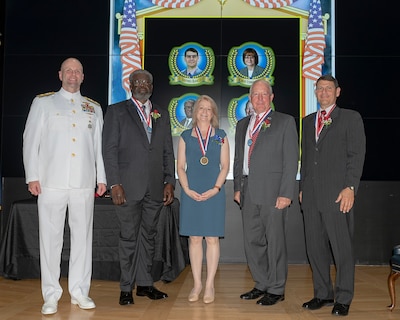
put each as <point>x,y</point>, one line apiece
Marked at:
<point>249,109</point>
<point>192,60</point>
<point>188,108</point>
<point>192,65</point>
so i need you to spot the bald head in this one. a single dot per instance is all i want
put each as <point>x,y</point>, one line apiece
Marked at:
<point>71,75</point>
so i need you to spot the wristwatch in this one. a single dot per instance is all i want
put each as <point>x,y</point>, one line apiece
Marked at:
<point>351,187</point>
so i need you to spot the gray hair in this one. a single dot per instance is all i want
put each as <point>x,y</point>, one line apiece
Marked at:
<point>141,71</point>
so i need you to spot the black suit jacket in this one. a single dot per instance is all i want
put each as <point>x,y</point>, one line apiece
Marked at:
<point>334,162</point>
<point>130,159</point>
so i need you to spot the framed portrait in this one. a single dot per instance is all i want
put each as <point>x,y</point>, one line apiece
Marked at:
<point>191,64</point>
<point>249,62</point>
<point>180,112</point>
<point>238,108</point>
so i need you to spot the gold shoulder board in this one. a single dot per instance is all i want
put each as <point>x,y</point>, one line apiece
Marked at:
<point>45,94</point>
<point>92,101</point>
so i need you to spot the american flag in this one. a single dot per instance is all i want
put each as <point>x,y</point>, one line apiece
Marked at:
<point>129,43</point>
<point>315,43</point>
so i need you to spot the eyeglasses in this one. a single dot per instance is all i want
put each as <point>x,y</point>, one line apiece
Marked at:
<point>249,57</point>
<point>141,82</point>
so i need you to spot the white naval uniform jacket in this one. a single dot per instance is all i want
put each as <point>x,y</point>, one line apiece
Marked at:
<point>62,141</point>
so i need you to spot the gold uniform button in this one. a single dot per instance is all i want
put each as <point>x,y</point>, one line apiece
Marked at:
<point>73,154</point>
<point>74,125</point>
<point>73,139</point>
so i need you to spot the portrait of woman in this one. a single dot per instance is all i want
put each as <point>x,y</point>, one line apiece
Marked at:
<point>250,59</point>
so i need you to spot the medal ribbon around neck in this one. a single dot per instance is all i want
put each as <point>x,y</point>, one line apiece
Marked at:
<point>142,114</point>
<point>203,145</point>
<point>258,124</point>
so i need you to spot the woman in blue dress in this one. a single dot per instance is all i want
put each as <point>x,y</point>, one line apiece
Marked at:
<point>202,166</point>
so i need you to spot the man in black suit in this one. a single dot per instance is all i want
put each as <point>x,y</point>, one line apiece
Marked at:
<point>265,167</point>
<point>139,162</point>
<point>331,166</point>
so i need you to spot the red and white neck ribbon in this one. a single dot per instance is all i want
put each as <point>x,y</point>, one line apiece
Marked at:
<point>258,124</point>
<point>143,116</point>
<point>203,144</point>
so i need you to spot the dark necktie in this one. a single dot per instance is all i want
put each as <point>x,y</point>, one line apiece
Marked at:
<point>145,123</point>
<point>144,110</point>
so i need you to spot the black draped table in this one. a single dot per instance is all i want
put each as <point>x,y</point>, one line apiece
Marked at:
<point>19,251</point>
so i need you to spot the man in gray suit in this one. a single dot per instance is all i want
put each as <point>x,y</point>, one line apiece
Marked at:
<point>139,163</point>
<point>265,167</point>
<point>331,167</point>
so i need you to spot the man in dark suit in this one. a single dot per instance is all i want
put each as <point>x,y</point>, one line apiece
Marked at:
<point>331,167</point>
<point>139,162</point>
<point>265,167</point>
<point>188,107</point>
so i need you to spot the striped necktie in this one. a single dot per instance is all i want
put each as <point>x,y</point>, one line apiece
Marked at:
<point>320,120</point>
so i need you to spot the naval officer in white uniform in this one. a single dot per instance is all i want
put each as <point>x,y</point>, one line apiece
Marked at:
<point>63,163</point>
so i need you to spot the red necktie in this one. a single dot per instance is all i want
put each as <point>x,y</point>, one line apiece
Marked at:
<point>320,121</point>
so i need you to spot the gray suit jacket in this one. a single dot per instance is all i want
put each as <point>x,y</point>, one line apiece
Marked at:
<point>130,159</point>
<point>335,161</point>
<point>274,159</point>
<point>256,72</point>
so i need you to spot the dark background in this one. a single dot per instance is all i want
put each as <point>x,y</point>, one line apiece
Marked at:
<point>227,33</point>
<point>38,36</point>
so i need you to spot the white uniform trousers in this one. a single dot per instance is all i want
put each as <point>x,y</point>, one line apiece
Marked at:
<point>52,205</point>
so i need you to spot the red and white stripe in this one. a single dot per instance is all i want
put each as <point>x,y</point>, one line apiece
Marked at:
<point>271,4</point>
<point>175,3</point>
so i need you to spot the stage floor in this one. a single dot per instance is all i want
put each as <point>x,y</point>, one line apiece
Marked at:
<point>22,299</point>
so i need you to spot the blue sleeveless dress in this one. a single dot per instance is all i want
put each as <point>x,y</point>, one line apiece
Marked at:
<point>202,218</point>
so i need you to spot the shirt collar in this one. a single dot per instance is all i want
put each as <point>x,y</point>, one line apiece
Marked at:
<point>70,95</point>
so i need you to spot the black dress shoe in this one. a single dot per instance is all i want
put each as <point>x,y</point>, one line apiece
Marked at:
<point>125,298</point>
<point>316,303</point>
<point>340,309</point>
<point>150,292</point>
<point>253,294</point>
<point>270,299</point>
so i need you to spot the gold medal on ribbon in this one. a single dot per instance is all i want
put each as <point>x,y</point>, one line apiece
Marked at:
<point>203,145</point>
<point>204,161</point>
